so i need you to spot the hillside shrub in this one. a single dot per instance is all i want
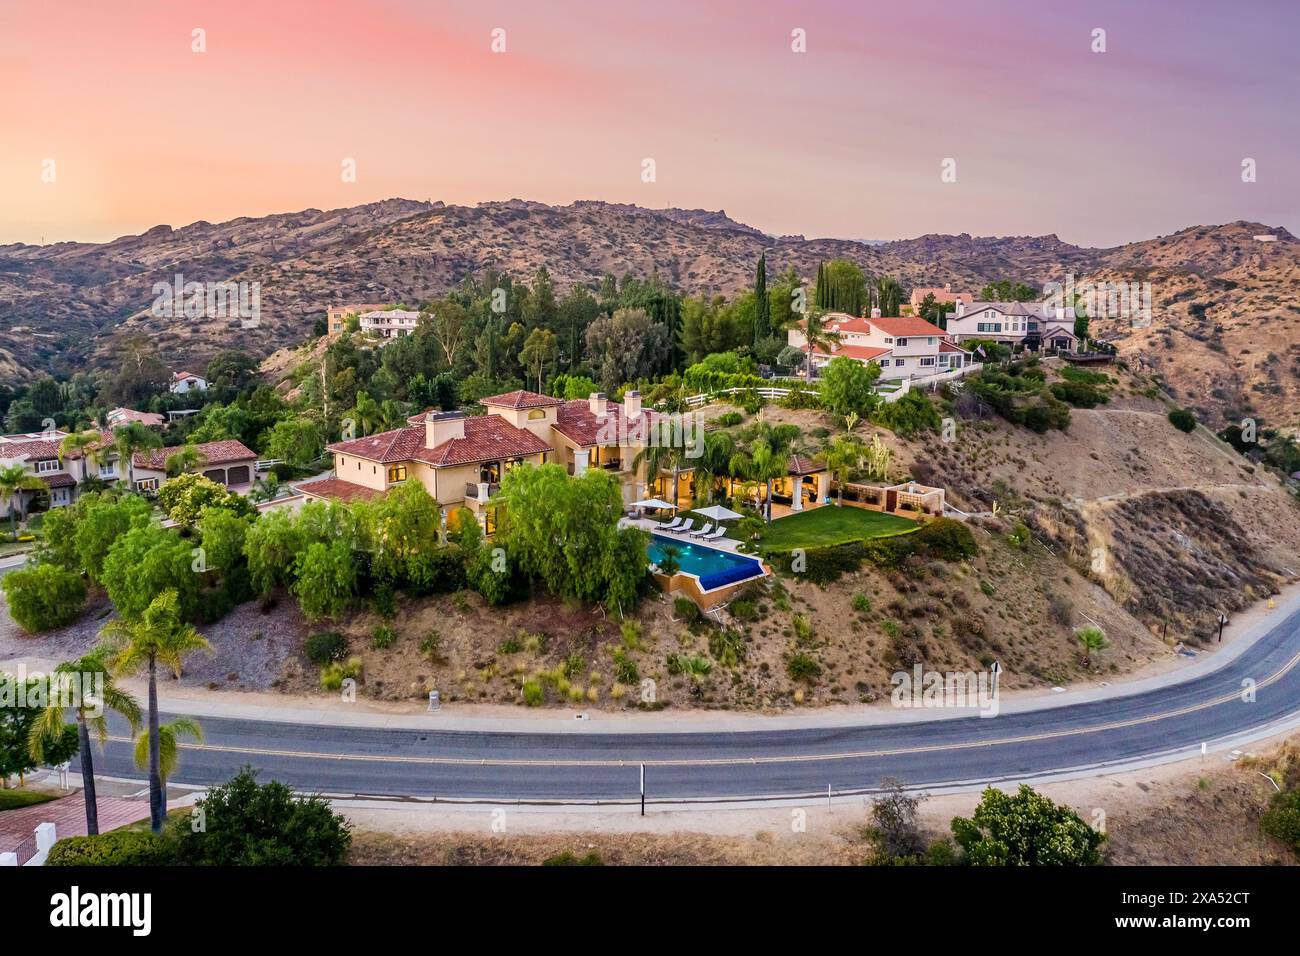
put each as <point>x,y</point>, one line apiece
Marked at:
<point>44,596</point>
<point>1182,419</point>
<point>326,647</point>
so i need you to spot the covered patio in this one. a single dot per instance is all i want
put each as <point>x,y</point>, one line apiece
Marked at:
<point>806,485</point>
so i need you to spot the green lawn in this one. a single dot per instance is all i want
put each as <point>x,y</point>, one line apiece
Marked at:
<point>829,525</point>
<point>16,799</point>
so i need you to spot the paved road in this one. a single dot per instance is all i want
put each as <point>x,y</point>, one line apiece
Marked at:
<point>791,763</point>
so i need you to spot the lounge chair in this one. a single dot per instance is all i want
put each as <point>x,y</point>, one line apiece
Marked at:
<point>672,525</point>
<point>708,526</point>
<point>683,529</point>
<point>721,532</point>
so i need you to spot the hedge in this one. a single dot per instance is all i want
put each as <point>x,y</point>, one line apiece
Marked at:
<point>118,848</point>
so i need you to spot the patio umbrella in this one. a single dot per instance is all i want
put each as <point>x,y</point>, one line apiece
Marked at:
<point>717,513</point>
<point>652,503</point>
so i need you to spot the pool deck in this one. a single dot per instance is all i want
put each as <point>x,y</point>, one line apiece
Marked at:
<point>655,527</point>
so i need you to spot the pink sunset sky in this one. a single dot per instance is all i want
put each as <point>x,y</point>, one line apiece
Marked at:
<point>844,140</point>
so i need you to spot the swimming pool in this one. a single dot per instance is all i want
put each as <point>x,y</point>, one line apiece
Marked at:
<point>714,568</point>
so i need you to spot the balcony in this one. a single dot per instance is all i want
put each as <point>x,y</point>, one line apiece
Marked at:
<point>480,491</point>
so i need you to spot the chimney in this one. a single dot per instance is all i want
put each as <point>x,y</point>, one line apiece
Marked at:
<point>875,313</point>
<point>598,404</point>
<point>947,287</point>
<point>441,426</point>
<point>632,405</point>
<point>961,307</point>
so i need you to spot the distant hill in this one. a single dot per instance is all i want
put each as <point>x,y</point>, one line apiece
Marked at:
<point>1224,334</point>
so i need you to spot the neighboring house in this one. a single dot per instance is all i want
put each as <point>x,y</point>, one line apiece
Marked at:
<point>390,323</point>
<point>336,316</point>
<point>903,346</point>
<point>1034,325</point>
<point>940,295</point>
<point>38,453</point>
<point>183,382</point>
<point>118,417</point>
<point>460,460</point>
<point>229,463</point>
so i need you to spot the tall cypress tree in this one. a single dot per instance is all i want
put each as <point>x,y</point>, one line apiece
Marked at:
<point>819,290</point>
<point>762,308</point>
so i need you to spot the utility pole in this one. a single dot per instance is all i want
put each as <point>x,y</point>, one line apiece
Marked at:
<point>643,790</point>
<point>1223,619</point>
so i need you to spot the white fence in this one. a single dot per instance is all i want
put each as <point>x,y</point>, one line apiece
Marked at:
<point>44,840</point>
<point>897,387</point>
<point>767,394</point>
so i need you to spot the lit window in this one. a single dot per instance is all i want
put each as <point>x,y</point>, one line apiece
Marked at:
<point>396,472</point>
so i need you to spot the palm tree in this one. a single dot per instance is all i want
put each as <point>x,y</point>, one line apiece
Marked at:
<point>91,713</point>
<point>169,756</point>
<point>719,446</point>
<point>158,634</point>
<point>657,458</point>
<point>129,439</point>
<point>14,480</point>
<point>843,455</point>
<point>817,336</point>
<point>85,444</point>
<point>1092,640</point>
<point>189,458</point>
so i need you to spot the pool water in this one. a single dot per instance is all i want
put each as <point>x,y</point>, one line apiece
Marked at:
<point>714,568</point>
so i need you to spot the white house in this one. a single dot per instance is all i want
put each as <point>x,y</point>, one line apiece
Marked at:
<point>903,347</point>
<point>390,323</point>
<point>38,453</point>
<point>1034,325</point>
<point>183,382</point>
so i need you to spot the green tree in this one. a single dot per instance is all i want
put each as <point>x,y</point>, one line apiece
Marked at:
<point>539,351</point>
<point>271,548</point>
<point>1027,829</point>
<point>848,386</point>
<point>185,497</point>
<point>146,561</point>
<point>169,755</point>
<point>1091,640</point>
<point>43,596</point>
<point>264,825</point>
<point>325,579</point>
<point>295,440</point>
<point>817,336</point>
<point>103,520</point>
<point>129,439</point>
<point>89,688</point>
<point>157,635</point>
<point>844,456</point>
<point>16,723</point>
<point>224,535</point>
<point>188,458</point>
<point>762,305</point>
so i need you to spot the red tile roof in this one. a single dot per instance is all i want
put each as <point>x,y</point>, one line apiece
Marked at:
<point>521,399</point>
<point>32,450</point>
<point>120,415</point>
<point>863,353</point>
<point>337,489</point>
<point>799,465</point>
<point>575,421</point>
<point>60,480</point>
<point>213,452</point>
<point>946,346</point>
<point>400,444</point>
<point>487,438</point>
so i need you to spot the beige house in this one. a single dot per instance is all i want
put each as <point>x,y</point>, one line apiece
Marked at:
<point>38,453</point>
<point>460,459</point>
<point>230,463</point>
<point>336,316</point>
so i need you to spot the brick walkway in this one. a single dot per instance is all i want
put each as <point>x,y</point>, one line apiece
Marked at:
<point>68,814</point>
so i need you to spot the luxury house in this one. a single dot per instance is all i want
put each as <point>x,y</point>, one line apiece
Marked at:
<point>903,346</point>
<point>1034,325</point>
<point>940,295</point>
<point>230,463</point>
<point>117,417</point>
<point>390,323</point>
<point>38,453</point>
<point>336,316</point>
<point>460,459</point>
<point>183,382</point>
